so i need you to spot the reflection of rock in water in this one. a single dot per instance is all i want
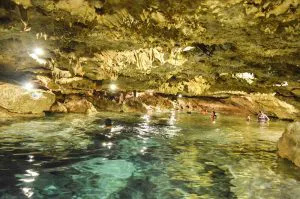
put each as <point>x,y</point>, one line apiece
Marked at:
<point>137,187</point>
<point>220,182</point>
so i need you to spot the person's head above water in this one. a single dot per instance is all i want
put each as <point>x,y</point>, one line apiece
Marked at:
<point>108,122</point>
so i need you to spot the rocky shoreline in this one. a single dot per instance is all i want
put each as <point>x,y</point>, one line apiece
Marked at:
<point>17,101</point>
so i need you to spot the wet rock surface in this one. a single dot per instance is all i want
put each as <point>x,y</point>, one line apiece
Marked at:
<point>288,143</point>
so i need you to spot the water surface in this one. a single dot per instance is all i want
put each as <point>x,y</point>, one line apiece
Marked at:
<point>163,156</point>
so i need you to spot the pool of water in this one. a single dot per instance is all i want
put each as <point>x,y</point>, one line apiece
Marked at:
<point>163,156</point>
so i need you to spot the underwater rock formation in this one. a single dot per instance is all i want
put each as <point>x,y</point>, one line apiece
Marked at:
<point>288,144</point>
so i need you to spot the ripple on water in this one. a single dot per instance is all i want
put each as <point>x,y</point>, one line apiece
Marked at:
<point>162,156</point>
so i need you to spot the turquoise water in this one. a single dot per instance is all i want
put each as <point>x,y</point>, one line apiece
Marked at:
<point>174,155</point>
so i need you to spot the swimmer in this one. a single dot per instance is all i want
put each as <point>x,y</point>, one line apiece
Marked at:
<point>213,116</point>
<point>261,117</point>
<point>204,112</point>
<point>248,118</point>
<point>108,123</point>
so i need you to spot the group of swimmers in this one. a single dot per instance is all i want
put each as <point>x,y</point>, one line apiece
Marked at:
<point>261,117</point>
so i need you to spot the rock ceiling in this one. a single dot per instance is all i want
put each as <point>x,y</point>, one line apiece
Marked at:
<point>169,46</point>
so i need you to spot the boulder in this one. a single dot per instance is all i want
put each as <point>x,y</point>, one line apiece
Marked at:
<point>16,99</point>
<point>103,104</point>
<point>156,102</point>
<point>269,103</point>
<point>288,144</point>
<point>77,104</point>
<point>59,108</point>
<point>6,115</point>
<point>133,106</point>
<point>273,106</point>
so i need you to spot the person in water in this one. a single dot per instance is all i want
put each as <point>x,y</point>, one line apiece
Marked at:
<point>108,123</point>
<point>261,117</point>
<point>248,119</point>
<point>213,116</point>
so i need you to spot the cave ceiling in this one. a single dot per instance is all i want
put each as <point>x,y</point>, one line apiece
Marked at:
<point>169,46</point>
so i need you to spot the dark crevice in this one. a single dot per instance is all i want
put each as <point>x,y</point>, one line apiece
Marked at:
<point>100,11</point>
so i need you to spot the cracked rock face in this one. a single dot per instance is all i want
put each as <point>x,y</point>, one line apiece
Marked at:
<point>196,48</point>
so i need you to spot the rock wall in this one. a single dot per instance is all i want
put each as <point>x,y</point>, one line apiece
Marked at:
<point>16,100</point>
<point>167,46</point>
<point>74,104</point>
<point>288,144</point>
<point>228,104</point>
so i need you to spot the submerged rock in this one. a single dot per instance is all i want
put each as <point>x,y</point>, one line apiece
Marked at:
<point>16,100</point>
<point>100,177</point>
<point>288,143</point>
<point>113,168</point>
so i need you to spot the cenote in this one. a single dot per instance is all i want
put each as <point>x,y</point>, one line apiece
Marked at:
<point>166,155</point>
<point>203,95</point>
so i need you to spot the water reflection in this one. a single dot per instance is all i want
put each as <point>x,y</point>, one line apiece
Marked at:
<point>172,118</point>
<point>30,158</point>
<point>172,155</point>
<point>27,192</point>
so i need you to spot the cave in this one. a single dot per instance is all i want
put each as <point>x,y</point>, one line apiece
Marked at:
<point>149,99</point>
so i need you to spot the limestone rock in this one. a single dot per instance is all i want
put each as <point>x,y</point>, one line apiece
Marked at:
<point>58,108</point>
<point>269,103</point>
<point>170,47</point>
<point>77,104</point>
<point>288,144</point>
<point>133,105</point>
<point>156,102</point>
<point>296,92</point>
<point>4,113</point>
<point>194,87</point>
<point>206,105</point>
<point>103,104</point>
<point>16,99</point>
<point>274,106</point>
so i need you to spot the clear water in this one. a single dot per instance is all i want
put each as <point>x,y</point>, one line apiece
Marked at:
<point>163,156</point>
